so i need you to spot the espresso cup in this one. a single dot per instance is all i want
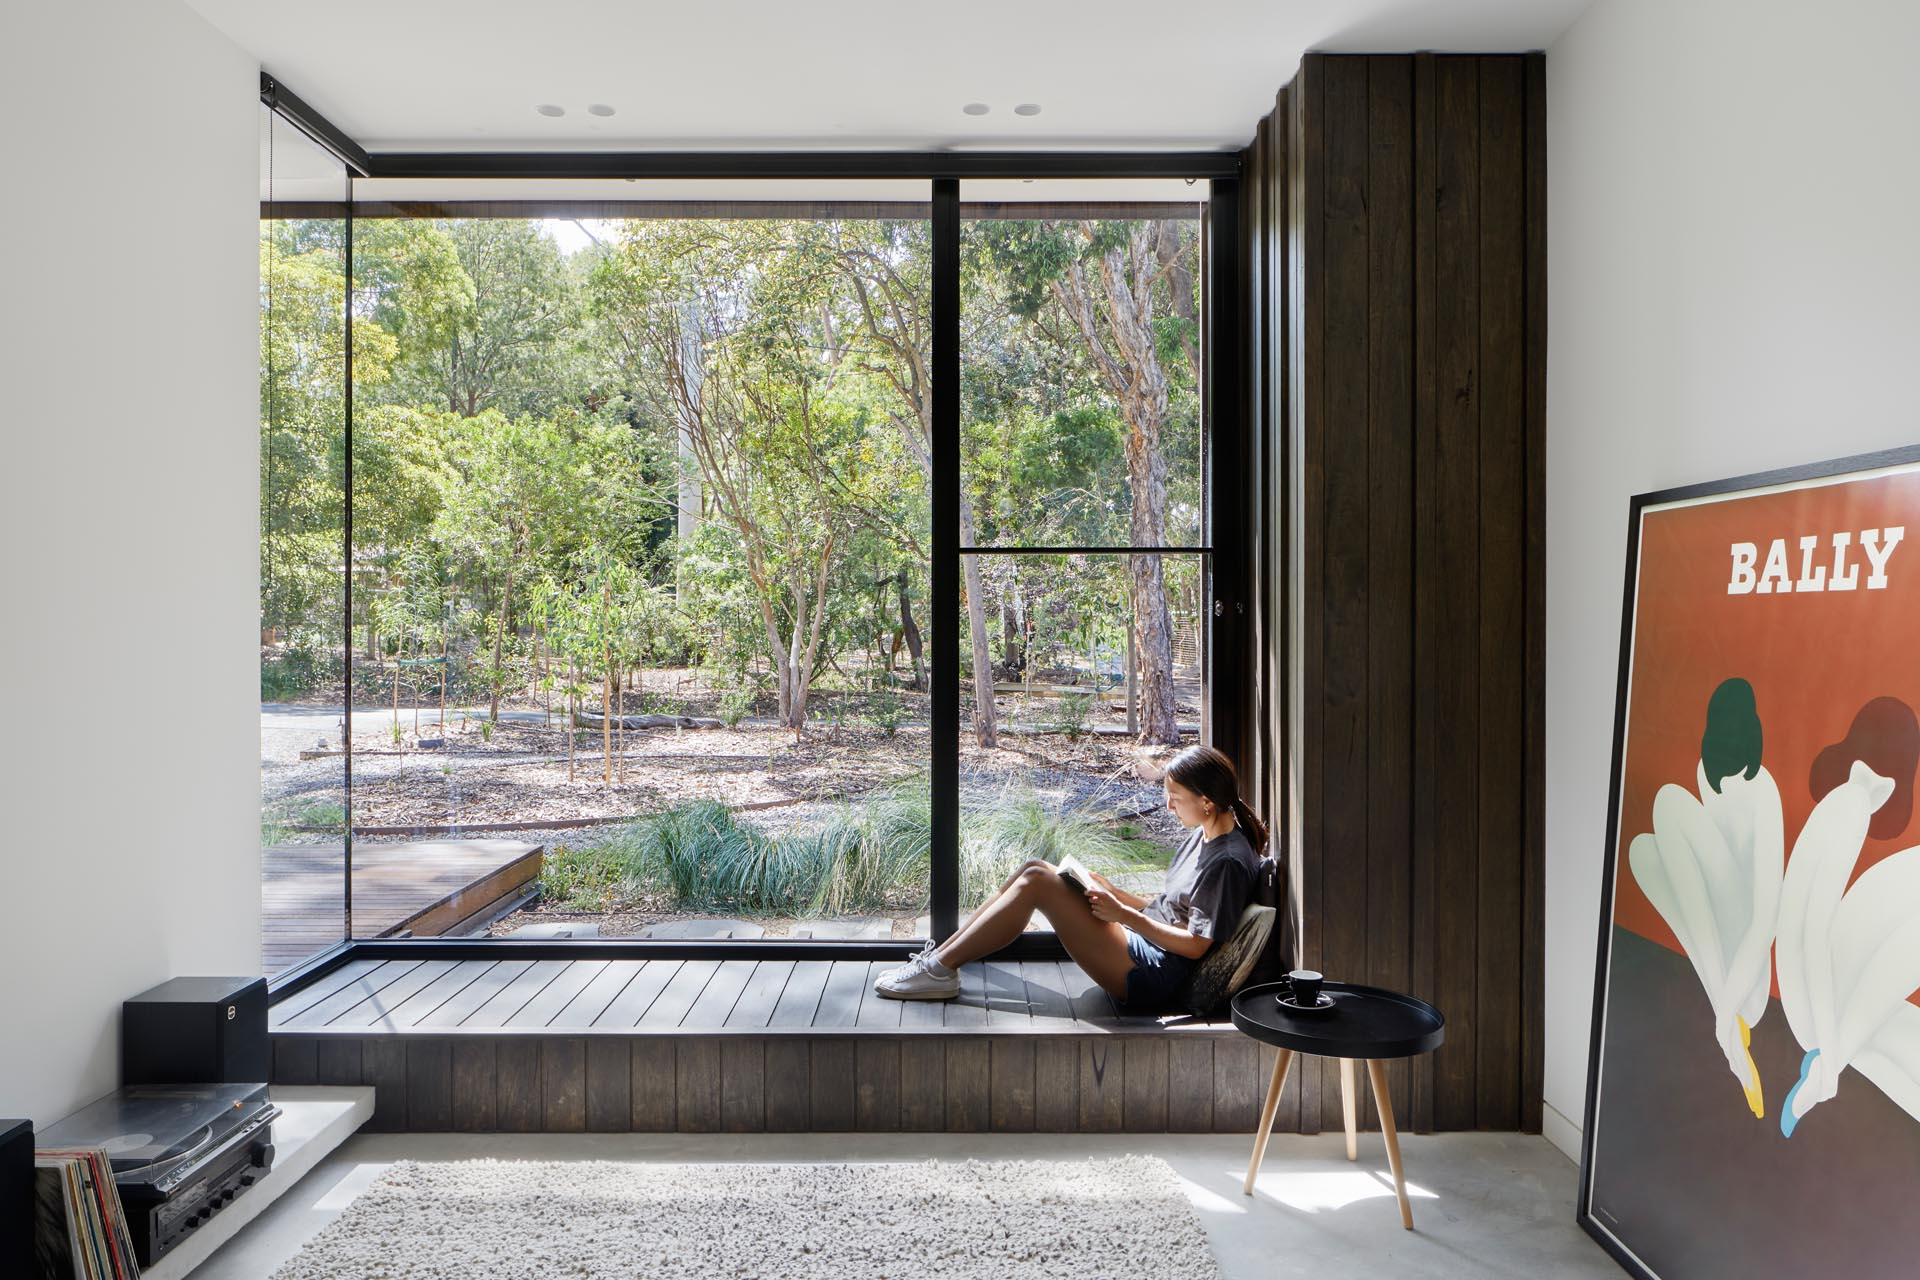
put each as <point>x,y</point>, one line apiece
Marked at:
<point>1306,985</point>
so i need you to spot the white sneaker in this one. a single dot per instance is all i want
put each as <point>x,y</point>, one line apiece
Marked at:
<point>915,981</point>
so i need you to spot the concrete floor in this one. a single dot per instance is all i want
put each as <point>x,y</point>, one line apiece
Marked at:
<point>1484,1204</point>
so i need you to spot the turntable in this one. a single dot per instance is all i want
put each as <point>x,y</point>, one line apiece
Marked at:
<point>180,1152</point>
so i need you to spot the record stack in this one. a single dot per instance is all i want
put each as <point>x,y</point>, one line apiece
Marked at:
<point>80,1229</point>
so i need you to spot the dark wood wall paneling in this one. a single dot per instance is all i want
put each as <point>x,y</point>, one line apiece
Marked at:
<point>1393,216</point>
<point>1151,1082</point>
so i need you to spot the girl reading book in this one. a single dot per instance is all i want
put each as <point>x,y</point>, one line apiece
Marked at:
<point>1140,950</point>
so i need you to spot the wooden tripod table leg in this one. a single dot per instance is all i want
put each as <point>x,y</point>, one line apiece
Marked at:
<point>1377,1070</point>
<point>1346,1104</point>
<point>1280,1065</point>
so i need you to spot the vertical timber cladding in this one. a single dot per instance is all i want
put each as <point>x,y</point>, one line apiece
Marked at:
<point>1263,748</point>
<point>1395,236</point>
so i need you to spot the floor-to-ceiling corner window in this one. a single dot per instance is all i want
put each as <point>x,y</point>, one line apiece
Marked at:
<point>640,616</point>
<point>599,599</point>
<point>1082,623</point>
<point>303,453</point>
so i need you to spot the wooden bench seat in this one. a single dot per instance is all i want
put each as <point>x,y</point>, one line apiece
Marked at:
<point>742,1045</point>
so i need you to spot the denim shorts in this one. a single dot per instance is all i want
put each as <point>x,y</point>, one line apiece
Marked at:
<point>1153,984</point>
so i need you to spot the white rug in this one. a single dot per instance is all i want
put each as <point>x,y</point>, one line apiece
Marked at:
<point>1125,1218</point>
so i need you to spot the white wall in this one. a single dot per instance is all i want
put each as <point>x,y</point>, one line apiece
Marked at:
<point>1734,285</point>
<point>128,527</point>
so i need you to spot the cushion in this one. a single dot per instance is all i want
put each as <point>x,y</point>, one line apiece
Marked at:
<point>1228,963</point>
<point>1270,890</point>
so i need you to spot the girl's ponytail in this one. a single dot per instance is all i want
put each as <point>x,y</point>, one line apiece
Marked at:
<point>1250,822</point>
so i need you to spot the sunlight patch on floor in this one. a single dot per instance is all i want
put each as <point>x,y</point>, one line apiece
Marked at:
<point>1206,1201</point>
<point>1318,1190</point>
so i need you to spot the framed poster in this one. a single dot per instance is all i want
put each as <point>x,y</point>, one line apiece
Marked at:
<point>1753,1093</point>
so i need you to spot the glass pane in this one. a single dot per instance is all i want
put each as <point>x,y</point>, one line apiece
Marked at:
<point>303,794</point>
<point>641,530</point>
<point>1097,677</point>
<point>1080,364</point>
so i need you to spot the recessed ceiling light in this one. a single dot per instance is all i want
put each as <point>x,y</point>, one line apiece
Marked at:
<point>1027,109</point>
<point>549,109</point>
<point>599,109</point>
<point>976,108</point>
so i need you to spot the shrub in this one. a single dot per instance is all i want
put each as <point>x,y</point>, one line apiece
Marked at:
<point>301,667</point>
<point>661,704</point>
<point>328,814</point>
<point>891,856</point>
<point>582,879</point>
<point>872,854</point>
<point>867,855</point>
<point>887,711</point>
<point>1075,711</point>
<point>1016,825</point>
<point>734,705</point>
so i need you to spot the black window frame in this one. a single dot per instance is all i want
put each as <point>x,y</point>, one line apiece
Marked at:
<point>1221,547</point>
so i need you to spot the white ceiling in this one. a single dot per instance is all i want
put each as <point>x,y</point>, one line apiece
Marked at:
<point>852,74</point>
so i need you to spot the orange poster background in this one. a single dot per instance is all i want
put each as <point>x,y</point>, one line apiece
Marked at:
<point>1814,659</point>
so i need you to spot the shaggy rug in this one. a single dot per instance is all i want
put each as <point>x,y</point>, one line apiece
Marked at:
<point>1124,1218</point>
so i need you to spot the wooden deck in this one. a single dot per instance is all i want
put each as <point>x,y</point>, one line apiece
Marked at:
<point>424,887</point>
<point>519,1045</point>
<point>443,997</point>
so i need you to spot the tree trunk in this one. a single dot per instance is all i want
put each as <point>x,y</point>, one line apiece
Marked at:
<point>797,677</point>
<point>396,695</point>
<point>1154,628</point>
<point>1137,381</point>
<point>606,697</point>
<point>1169,249</point>
<point>1012,643</point>
<point>499,642</point>
<point>1133,678</point>
<point>985,716</point>
<point>693,369</point>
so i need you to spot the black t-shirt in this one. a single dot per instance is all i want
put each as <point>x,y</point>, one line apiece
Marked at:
<point>1208,884</point>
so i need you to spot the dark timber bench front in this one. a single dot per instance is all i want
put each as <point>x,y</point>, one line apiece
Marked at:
<point>523,1045</point>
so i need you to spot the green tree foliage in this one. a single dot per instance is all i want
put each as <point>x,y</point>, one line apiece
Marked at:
<point>727,426</point>
<point>302,424</point>
<point>793,454</point>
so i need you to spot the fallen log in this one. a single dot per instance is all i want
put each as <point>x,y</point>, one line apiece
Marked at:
<point>594,720</point>
<point>1091,731</point>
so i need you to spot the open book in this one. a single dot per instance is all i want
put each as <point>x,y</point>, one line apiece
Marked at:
<point>1075,873</point>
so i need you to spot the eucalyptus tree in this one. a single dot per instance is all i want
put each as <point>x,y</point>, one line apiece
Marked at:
<point>1123,291</point>
<point>889,268</point>
<point>490,312</point>
<point>777,421</point>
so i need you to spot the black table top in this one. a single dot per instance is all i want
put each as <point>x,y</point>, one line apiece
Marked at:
<point>1365,1022</point>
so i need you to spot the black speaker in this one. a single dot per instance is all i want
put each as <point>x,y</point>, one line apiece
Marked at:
<point>196,1031</point>
<point>16,1198</point>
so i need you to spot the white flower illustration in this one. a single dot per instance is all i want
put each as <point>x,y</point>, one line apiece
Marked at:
<point>1850,958</point>
<point>1712,869</point>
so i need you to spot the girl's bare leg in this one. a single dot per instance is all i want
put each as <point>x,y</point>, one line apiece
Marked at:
<point>1098,947</point>
<point>943,954</point>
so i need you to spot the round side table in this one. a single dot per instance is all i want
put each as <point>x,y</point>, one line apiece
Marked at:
<point>1369,1023</point>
